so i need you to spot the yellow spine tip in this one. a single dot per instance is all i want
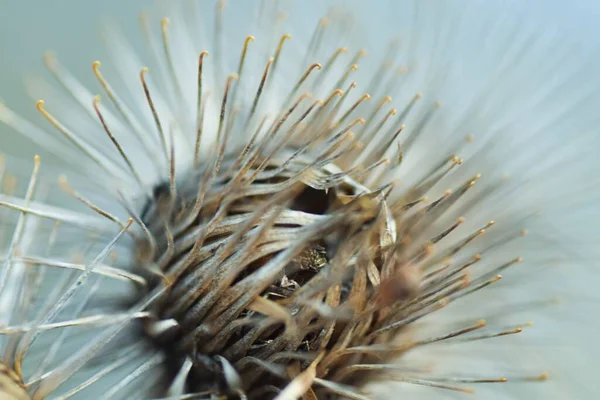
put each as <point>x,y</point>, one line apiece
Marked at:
<point>143,72</point>
<point>49,58</point>
<point>62,181</point>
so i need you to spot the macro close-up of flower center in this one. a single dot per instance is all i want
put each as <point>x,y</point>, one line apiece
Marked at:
<point>274,200</point>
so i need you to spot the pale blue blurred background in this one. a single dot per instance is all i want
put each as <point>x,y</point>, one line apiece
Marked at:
<point>71,29</point>
<point>68,27</point>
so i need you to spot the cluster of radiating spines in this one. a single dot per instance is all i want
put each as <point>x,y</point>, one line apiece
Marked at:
<point>294,254</point>
<point>291,258</point>
<point>44,311</point>
<point>59,311</point>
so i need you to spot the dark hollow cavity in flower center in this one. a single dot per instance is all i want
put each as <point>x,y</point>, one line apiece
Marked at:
<point>267,271</point>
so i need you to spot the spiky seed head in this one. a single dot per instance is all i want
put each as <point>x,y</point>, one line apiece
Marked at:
<point>292,252</point>
<point>269,263</point>
<point>259,215</point>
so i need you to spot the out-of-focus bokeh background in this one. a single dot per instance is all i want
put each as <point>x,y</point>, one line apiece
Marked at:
<point>71,29</point>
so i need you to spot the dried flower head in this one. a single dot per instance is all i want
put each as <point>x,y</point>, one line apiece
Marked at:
<point>256,219</point>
